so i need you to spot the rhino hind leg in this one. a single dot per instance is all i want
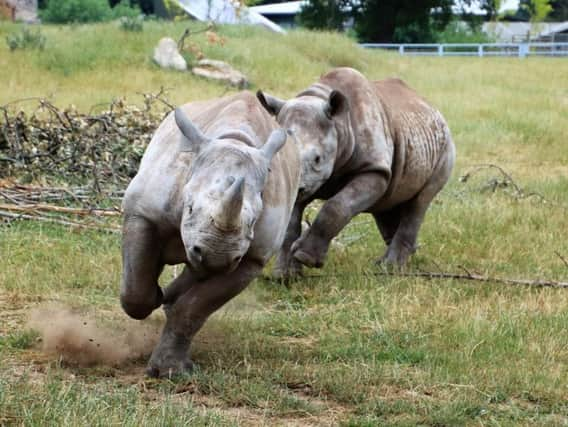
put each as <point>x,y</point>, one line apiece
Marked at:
<point>140,293</point>
<point>387,223</point>
<point>411,214</point>
<point>402,243</point>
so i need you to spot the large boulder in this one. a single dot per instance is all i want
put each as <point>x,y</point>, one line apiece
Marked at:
<point>166,55</point>
<point>221,71</point>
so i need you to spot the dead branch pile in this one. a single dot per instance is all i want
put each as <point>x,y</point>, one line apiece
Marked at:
<point>63,146</point>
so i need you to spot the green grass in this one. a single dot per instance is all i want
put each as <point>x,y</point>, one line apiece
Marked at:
<point>349,347</point>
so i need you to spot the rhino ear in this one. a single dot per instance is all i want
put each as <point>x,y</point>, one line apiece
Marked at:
<point>193,136</point>
<point>275,142</point>
<point>337,104</point>
<point>270,103</point>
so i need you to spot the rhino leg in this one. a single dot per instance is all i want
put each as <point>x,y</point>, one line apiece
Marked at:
<point>403,242</point>
<point>357,196</point>
<point>178,286</point>
<point>287,267</point>
<point>189,312</point>
<point>140,293</point>
<point>387,223</point>
<point>412,213</point>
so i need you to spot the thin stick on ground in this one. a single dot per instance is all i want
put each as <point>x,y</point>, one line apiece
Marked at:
<point>478,278</point>
<point>564,260</point>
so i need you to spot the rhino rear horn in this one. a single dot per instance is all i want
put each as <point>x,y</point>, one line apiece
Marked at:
<point>336,104</point>
<point>270,103</point>
<point>275,142</point>
<point>193,136</point>
<point>228,217</point>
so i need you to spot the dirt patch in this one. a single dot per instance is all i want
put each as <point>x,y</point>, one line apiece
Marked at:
<point>79,339</point>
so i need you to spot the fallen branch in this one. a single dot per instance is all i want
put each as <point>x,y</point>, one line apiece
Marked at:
<point>60,209</point>
<point>477,278</point>
<point>437,275</point>
<point>16,216</point>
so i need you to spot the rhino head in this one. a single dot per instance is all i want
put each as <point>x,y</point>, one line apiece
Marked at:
<point>222,198</point>
<point>315,124</point>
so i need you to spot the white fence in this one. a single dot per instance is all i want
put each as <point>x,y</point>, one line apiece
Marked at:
<point>472,49</point>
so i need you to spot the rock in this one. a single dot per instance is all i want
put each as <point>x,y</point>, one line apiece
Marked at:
<point>166,55</point>
<point>221,71</point>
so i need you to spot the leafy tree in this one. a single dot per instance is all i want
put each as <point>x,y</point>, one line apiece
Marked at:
<point>324,14</point>
<point>559,10</point>
<point>403,21</point>
<point>146,6</point>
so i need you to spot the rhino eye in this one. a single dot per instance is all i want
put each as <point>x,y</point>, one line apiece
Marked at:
<point>190,209</point>
<point>317,160</point>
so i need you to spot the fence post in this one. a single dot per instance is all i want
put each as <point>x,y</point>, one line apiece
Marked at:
<point>480,50</point>
<point>440,50</point>
<point>523,50</point>
<point>401,49</point>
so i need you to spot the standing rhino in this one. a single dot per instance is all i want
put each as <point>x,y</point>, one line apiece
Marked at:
<point>214,194</point>
<point>365,146</point>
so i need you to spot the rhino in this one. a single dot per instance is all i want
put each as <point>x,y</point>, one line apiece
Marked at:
<point>365,146</point>
<point>214,191</point>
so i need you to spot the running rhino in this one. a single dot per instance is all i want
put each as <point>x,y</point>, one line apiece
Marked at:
<point>365,146</point>
<point>214,191</point>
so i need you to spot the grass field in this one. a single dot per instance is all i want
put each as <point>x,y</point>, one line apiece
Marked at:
<point>348,347</point>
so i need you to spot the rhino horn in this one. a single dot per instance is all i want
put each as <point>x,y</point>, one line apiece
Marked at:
<point>193,136</point>
<point>275,142</point>
<point>229,213</point>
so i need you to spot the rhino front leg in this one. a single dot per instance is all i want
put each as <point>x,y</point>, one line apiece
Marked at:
<point>140,293</point>
<point>188,314</point>
<point>357,196</point>
<point>286,266</point>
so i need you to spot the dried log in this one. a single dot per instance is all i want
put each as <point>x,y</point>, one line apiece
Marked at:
<point>478,278</point>
<point>73,224</point>
<point>61,209</point>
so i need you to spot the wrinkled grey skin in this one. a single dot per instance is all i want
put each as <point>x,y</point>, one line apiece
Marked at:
<point>214,191</point>
<point>374,147</point>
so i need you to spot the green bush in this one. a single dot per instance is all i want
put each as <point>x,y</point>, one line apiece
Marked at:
<point>67,11</point>
<point>134,24</point>
<point>80,11</point>
<point>124,10</point>
<point>26,39</point>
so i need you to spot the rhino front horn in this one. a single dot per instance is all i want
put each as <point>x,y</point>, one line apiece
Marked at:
<point>229,214</point>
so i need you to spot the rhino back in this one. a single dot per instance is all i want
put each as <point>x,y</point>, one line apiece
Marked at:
<point>420,138</point>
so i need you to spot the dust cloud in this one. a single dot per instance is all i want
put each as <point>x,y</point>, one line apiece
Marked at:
<point>77,338</point>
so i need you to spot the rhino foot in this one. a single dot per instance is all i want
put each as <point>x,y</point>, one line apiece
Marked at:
<point>396,258</point>
<point>288,273</point>
<point>170,357</point>
<point>309,251</point>
<point>169,366</point>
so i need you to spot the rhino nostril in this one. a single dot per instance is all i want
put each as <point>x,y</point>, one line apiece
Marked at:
<point>301,190</point>
<point>196,250</point>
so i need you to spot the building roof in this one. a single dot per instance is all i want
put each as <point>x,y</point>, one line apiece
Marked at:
<point>225,12</point>
<point>286,8</point>
<point>293,7</point>
<point>507,31</point>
